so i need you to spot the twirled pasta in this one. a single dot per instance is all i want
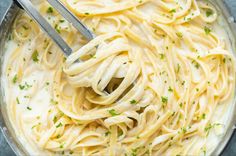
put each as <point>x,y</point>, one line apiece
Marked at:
<point>150,83</point>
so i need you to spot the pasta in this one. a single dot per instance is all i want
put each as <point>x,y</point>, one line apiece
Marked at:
<point>150,83</point>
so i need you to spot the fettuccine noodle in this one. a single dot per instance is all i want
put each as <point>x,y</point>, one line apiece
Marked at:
<point>156,80</point>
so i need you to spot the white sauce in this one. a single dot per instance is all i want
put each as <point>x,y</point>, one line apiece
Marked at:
<point>40,101</point>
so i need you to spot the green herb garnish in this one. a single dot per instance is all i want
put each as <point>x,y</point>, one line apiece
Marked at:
<point>14,80</point>
<point>184,130</point>
<point>179,34</point>
<point>113,112</point>
<point>50,10</point>
<point>35,56</point>
<point>162,56</point>
<point>25,27</point>
<point>71,152</point>
<point>164,99</point>
<point>29,108</point>
<point>61,21</point>
<point>54,119</point>
<point>203,116</point>
<point>107,133</point>
<point>25,86</point>
<point>172,11</point>
<point>59,125</point>
<point>170,89</point>
<point>178,68</point>
<point>207,30</point>
<point>57,28</point>
<point>17,100</point>
<point>53,102</point>
<point>93,56</point>
<point>209,12</point>
<point>21,87</point>
<point>62,145</point>
<point>224,60</point>
<point>133,102</point>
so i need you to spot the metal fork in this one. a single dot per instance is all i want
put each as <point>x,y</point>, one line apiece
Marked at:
<point>47,28</point>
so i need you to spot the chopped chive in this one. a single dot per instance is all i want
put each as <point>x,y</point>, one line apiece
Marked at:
<point>71,152</point>
<point>93,56</point>
<point>207,30</point>
<point>178,68</point>
<point>57,28</point>
<point>35,56</point>
<point>59,125</point>
<point>224,60</point>
<point>29,108</point>
<point>62,145</point>
<point>164,99</point>
<point>107,133</point>
<point>50,10</point>
<point>61,21</point>
<point>25,86</point>
<point>132,102</point>
<point>113,112</point>
<point>26,28</point>
<point>179,34</point>
<point>53,102</point>
<point>93,29</point>
<point>170,89</point>
<point>209,12</point>
<point>203,116</point>
<point>184,130</point>
<point>34,126</point>
<point>54,119</point>
<point>134,151</point>
<point>14,80</point>
<point>172,11</point>
<point>17,100</point>
<point>21,87</point>
<point>162,56</point>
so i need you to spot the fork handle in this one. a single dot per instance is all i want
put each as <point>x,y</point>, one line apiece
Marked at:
<point>72,19</point>
<point>46,27</point>
<point>16,2</point>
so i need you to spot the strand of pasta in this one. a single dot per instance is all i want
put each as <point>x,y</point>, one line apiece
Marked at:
<point>163,69</point>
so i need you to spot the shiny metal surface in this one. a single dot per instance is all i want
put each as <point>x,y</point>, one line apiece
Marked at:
<point>72,19</point>
<point>5,26</point>
<point>46,27</point>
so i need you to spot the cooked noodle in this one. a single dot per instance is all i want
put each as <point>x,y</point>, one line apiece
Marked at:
<point>148,84</point>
